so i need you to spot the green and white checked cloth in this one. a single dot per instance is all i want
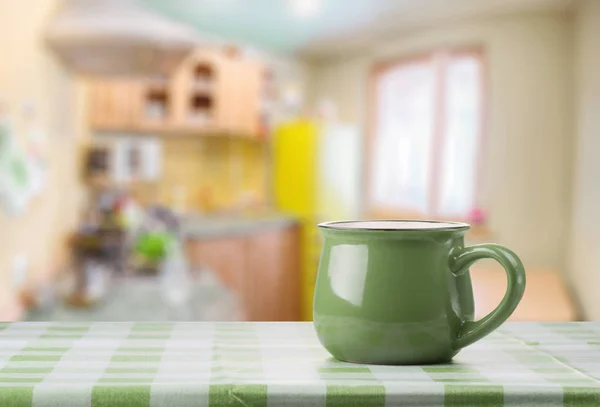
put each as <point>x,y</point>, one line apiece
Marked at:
<point>283,364</point>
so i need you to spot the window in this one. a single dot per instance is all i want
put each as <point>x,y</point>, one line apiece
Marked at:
<point>427,135</point>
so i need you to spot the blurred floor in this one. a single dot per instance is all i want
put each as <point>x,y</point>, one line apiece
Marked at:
<point>547,297</point>
<point>143,299</point>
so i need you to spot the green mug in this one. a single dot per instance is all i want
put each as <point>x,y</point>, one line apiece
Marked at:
<point>399,292</point>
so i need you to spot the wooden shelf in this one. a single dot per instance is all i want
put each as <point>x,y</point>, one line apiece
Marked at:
<point>201,102</point>
<point>203,70</point>
<point>157,105</point>
<point>200,109</point>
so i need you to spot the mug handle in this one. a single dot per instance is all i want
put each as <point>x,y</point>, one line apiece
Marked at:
<point>460,261</point>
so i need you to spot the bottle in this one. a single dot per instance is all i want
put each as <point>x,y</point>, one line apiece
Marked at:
<point>174,276</point>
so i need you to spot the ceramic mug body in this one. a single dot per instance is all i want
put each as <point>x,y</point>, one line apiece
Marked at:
<point>399,292</point>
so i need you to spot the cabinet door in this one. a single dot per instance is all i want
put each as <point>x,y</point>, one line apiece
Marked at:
<point>250,87</point>
<point>224,257</point>
<point>97,104</point>
<point>181,83</point>
<point>238,95</point>
<point>194,88</point>
<point>226,94</point>
<point>117,104</point>
<point>291,282</point>
<point>113,104</point>
<point>131,94</point>
<point>272,281</point>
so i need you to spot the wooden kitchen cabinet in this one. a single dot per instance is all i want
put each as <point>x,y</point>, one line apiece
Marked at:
<point>219,256</point>
<point>195,87</point>
<point>272,280</point>
<point>114,104</point>
<point>262,268</point>
<point>219,92</point>
<point>155,105</point>
<point>245,80</point>
<point>210,93</point>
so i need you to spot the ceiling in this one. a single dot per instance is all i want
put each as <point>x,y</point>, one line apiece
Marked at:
<point>336,25</point>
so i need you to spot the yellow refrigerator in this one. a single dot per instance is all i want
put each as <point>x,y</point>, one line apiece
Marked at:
<point>316,177</point>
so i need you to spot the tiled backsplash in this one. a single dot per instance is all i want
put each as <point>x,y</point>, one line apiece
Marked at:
<point>211,173</point>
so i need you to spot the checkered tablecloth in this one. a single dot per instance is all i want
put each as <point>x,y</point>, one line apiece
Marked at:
<point>282,364</point>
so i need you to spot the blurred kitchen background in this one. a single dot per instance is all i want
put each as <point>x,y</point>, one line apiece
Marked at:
<point>169,160</point>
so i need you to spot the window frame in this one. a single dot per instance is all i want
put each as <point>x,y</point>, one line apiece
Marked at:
<point>445,53</point>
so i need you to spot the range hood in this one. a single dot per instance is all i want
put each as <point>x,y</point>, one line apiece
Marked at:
<point>117,38</point>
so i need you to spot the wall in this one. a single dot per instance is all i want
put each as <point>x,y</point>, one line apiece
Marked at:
<point>528,147</point>
<point>584,255</point>
<point>28,74</point>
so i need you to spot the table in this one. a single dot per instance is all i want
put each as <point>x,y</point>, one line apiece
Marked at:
<point>276,364</point>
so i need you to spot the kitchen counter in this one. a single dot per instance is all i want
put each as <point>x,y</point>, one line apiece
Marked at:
<point>208,227</point>
<point>147,298</point>
<point>256,257</point>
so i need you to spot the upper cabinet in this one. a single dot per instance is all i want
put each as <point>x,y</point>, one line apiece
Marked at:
<point>114,105</point>
<point>245,88</point>
<point>196,86</point>
<point>211,92</point>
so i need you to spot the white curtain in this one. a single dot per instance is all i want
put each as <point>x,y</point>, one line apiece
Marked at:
<point>404,137</point>
<point>411,97</point>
